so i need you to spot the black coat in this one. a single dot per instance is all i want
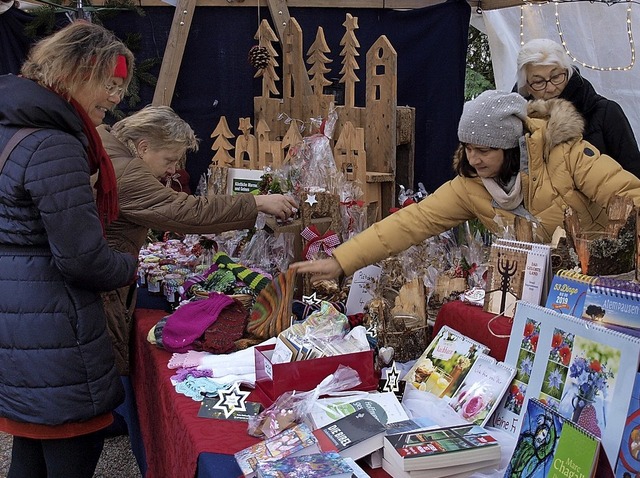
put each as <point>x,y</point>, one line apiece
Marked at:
<point>56,355</point>
<point>607,127</point>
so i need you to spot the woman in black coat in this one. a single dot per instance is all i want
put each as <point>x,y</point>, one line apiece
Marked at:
<point>545,71</point>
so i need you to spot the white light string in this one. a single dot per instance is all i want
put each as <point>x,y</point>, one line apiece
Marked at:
<point>566,49</point>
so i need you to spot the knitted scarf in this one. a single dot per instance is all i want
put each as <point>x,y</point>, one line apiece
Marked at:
<point>508,197</point>
<point>106,185</point>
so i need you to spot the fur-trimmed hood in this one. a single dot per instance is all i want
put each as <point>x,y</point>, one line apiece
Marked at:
<point>561,122</point>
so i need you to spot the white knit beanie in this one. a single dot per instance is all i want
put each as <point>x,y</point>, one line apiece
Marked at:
<point>493,119</point>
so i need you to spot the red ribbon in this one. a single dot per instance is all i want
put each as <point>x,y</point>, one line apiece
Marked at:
<point>316,242</point>
<point>349,205</point>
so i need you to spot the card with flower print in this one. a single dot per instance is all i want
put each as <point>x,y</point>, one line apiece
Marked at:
<point>482,389</point>
<point>583,370</point>
<point>445,362</point>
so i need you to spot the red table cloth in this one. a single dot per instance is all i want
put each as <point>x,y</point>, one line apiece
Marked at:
<point>472,321</point>
<point>173,435</point>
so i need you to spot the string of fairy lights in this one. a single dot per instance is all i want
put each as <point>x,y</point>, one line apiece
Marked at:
<point>566,48</point>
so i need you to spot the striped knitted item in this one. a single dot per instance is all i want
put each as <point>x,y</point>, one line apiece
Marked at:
<point>271,313</point>
<point>253,279</point>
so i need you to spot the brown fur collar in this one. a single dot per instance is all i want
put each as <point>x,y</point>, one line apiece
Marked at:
<point>564,123</point>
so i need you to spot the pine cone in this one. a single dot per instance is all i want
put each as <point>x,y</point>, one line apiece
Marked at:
<point>259,57</point>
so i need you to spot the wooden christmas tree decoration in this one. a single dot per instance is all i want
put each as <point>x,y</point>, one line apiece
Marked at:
<point>221,145</point>
<point>266,37</point>
<point>350,45</point>
<point>317,58</point>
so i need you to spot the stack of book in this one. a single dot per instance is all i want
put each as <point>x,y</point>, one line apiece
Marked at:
<point>439,452</point>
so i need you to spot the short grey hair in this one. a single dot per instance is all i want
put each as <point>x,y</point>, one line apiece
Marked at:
<point>160,126</point>
<point>544,52</point>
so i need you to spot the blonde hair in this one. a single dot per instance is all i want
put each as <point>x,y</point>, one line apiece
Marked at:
<point>160,126</point>
<point>543,52</point>
<point>79,53</point>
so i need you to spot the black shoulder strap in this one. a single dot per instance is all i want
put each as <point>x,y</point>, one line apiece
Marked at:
<point>13,142</point>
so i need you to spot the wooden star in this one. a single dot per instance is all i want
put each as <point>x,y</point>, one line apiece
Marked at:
<point>245,126</point>
<point>232,400</point>
<point>311,199</point>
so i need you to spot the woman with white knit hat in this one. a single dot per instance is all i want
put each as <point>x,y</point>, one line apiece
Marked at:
<point>515,159</point>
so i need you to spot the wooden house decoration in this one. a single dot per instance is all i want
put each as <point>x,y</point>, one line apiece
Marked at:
<point>366,139</point>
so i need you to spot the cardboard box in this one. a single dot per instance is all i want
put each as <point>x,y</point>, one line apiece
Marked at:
<point>272,380</point>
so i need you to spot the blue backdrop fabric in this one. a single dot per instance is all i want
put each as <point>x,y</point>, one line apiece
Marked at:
<point>215,78</point>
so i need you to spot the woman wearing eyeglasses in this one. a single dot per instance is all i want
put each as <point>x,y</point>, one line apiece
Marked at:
<point>59,384</point>
<point>545,71</point>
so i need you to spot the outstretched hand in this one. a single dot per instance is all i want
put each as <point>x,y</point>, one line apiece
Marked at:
<point>323,269</point>
<point>278,205</point>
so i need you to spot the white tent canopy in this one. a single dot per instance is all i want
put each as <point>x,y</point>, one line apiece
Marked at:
<point>594,33</point>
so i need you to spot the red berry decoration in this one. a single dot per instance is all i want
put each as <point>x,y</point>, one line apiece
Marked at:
<point>589,420</point>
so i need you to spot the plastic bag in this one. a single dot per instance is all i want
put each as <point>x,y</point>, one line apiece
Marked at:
<point>269,252</point>
<point>291,407</point>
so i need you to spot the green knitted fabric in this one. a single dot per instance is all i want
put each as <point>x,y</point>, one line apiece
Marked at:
<point>221,280</point>
<point>253,279</point>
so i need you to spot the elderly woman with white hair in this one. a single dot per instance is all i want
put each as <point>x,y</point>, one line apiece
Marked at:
<point>545,71</point>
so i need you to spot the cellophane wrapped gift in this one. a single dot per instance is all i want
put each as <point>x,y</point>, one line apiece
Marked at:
<point>291,407</point>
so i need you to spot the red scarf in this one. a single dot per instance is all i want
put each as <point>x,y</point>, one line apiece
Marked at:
<point>106,185</point>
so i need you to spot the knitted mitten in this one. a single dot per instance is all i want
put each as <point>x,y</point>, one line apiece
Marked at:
<point>190,321</point>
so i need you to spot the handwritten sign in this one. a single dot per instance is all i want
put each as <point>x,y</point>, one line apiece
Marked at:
<point>360,291</point>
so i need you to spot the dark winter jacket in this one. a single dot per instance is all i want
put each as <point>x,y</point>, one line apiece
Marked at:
<point>57,360</point>
<point>145,203</point>
<point>607,127</point>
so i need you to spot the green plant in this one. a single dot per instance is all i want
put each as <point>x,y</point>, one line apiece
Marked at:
<point>479,73</point>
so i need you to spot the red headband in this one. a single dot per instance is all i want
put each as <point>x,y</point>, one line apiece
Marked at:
<point>121,70</point>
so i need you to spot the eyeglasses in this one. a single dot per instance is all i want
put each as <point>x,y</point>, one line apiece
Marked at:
<point>114,90</point>
<point>555,80</point>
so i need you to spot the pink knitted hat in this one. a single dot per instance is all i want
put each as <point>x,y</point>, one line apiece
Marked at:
<point>191,320</point>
